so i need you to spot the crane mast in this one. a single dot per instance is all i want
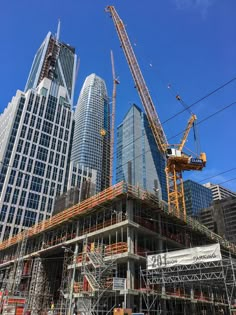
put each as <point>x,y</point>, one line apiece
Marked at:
<point>115,82</point>
<point>176,160</point>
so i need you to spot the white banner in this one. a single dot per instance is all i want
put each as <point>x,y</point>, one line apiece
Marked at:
<point>194,255</point>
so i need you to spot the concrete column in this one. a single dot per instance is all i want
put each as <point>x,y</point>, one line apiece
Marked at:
<point>129,209</point>
<point>130,275</point>
<point>130,239</point>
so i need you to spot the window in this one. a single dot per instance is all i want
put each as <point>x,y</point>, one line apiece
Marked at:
<point>29,166</point>
<point>36,184</point>
<point>19,179</point>
<point>26,149</point>
<point>3,213</point>
<point>39,168</point>
<point>59,146</point>
<point>11,215</point>
<point>15,196</point>
<point>39,121</point>
<point>33,149</point>
<point>18,216</point>
<point>16,161</point>
<point>49,169</point>
<point>20,145</point>
<point>47,127</point>
<point>22,198</point>
<point>32,122</point>
<point>45,140</point>
<point>26,120</point>
<point>23,162</point>
<point>8,194</point>
<point>54,175</point>
<point>26,181</point>
<point>29,218</point>
<point>42,154</point>
<point>36,135</point>
<point>45,188</point>
<point>12,177</point>
<point>64,148</point>
<point>55,131</point>
<point>53,146</point>
<point>43,203</point>
<point>23,131</point>
<point>33,201</point>
<point>29,135</point>
<point>57,159</point>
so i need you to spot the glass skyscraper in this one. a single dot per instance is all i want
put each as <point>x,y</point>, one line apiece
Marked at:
<point>197,197</point>
<point>139,161</point>
<point>35,133</point>
<point>91,141</point>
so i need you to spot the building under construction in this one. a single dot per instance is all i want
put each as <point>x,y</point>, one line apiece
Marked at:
<point>92,259</point>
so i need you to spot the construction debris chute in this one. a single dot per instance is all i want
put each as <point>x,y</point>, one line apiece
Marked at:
<point>194,255</point>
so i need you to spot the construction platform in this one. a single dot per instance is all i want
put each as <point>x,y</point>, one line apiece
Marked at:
<point>91,258</point>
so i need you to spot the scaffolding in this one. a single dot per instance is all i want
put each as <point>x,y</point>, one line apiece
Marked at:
<point>96,278</point>
<point>203,288</point>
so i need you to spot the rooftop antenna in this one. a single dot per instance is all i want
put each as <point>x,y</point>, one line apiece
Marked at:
<point>58,29</point>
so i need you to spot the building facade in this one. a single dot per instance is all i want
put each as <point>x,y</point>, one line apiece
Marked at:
<point>197,197</point>
<point>221,218</point>
<point>139,161</point>
<point>219,192</point>
<point>91,140</point>
<point>35,139</point>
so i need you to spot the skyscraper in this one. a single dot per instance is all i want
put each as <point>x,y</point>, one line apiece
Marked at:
<point>35,133</point>
<point>91,141</point>
<point>139,161</point>
<point>197,197</point>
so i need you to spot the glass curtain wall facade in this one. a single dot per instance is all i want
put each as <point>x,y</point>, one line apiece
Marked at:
<point>139,161</point>
<point>35,132</point>
<point>197,197</point>
<point>91,140</point>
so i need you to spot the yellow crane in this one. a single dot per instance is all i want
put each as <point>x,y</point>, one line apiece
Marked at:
<point>176,160</point>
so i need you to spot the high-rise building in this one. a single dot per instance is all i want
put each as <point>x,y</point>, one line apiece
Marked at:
<point>197,197</point>
<point>54,60</point>
<point>221,218</point>
<point>139,161</point>
<point>35,133</point>
<point>91,140</point>
<point>219,192</point>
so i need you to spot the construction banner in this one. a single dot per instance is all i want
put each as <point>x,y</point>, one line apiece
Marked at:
<point>194,255</point>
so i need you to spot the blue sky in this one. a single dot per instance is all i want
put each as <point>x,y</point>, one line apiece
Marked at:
<point>189,44</point>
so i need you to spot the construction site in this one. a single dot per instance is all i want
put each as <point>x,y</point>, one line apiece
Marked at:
<point>113,253</point>
<point>92,257</point>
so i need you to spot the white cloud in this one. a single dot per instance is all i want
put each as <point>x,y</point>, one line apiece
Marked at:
<point>201,5</point>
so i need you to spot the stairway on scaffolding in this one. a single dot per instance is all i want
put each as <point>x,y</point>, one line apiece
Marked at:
<point>96,269</point>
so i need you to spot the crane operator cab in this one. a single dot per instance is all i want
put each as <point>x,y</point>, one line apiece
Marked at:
<point>172,152</point>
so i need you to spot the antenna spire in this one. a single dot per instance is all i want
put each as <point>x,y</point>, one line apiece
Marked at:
<point>58,29</point>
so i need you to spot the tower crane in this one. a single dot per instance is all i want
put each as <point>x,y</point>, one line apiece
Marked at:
<point>176,160</point>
